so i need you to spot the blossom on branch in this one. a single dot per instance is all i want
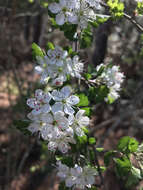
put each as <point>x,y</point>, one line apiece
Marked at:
<point>77,177</point>
<point>57,65</point>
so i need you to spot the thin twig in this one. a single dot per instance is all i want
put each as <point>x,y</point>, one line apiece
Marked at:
<point>98,168</point>
<point>131,19</point>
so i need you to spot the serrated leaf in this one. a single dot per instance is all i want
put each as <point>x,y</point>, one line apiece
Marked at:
<point>123,166</point>
<point>83,100</point>
<point>134,177</point>
<point>127,145</point>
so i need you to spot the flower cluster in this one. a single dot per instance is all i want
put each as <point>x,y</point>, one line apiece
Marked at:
<point>77,177</point>
<point>112,77</point>
<point>78,12</point>
<point>57,65</point>
<point>53,116</point>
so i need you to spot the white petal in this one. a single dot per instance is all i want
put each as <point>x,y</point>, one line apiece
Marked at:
<point>79,132</point>
<point>38,69</point>
<point>66,91</point>
<point>57,95</point>
<point>58,106</point>
<point>63,147</point>
<point>68,109</point>
<point>59,115</point>
<point>47,98</point>
<point>54,7</point>
<point>60,19</point>
<point>52,146</point>
<point>33,127</point>
<point>31,102</point>
<point>79,114</point>
<point>39,94</point>
<point>46,108</point>
<point>73,100</point>
<point>36,111</point>
<point>71,119</point>
<point>84,121</point>
<point>69,182</point>
<point>48,118</point>
<point>59,63</point>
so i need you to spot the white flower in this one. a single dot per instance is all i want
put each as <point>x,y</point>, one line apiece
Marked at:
<point>63,170</point>
<point>56,66</point>
<point>77,67</point>
<point>60,140</point>
<point>41,68</point>
<point>62,9</point>
<point>39,123</point>
<point>112,78</point>
<point>78,122</point>
<point>40,103</point>
<point>64,100</point>
<point>94,3</point>
<point>57,56</point>
<point>78,12</point>
<point>77,177</point>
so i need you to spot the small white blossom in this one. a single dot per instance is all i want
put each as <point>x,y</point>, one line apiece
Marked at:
<point>112,77</point>
<point>57,65</point>
<point>77,177</point>
<point>40,103</point>
<point>78,122</point>
<point>64,100</point>
<point>78,12</point>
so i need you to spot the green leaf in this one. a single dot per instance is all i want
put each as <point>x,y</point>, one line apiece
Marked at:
<point>86,37</point>
<point>83,100</point>
<point>87,76</point>
<point>99,149</point>
<point>134,177</point>
<point>93,188</point>
<point>36,50</point>
<point>92,140</point>
<point>82,139</point>
<point>108,156</point>
<point>123,166</point>
<point>110,100</point>
<point>127,145</point>
<point>50,45</point>
<point>101,93</point>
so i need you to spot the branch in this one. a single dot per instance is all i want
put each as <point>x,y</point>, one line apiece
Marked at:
<point>128,17</point>
<point>132,20</point>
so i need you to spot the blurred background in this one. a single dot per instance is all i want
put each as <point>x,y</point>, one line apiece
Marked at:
<point>24,160</point>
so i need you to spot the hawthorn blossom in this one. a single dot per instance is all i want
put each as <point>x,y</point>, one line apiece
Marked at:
<point>57,65</point>
<point>62,10</point>
<point>112,78</point>
<point>78,12</point>
<point>64,101</point>
<point>77,177</point>
<point>78,121</point>
<point>94,3</point>
<point>76,67</point>
<point>40,103</point>
<point>60,141</point>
